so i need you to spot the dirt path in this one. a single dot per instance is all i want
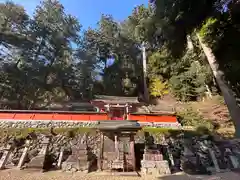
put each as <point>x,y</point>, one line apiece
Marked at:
<point>58,175</point>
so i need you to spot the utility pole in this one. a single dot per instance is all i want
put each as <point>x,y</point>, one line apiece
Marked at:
<point>146,96</point>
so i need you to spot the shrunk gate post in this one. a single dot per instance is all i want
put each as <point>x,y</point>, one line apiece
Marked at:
<point>5,156</point>
<point>100,156</point>
<point>24,155</point>
<point>132,151</point>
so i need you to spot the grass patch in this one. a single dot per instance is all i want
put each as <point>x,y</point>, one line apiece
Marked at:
<point>23,132</point>
<point>169,132</point>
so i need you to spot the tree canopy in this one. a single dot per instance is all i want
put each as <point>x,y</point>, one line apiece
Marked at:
<point>49,57</point>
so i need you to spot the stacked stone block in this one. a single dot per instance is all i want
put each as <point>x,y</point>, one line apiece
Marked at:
<point>78,161</point>
<point>153,164</point>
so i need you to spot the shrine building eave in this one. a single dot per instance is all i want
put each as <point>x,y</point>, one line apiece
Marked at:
<point>115,126</point>
<point>116,99</point>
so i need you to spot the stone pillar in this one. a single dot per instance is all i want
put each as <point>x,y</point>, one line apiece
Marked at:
<point>5,156</point>
<point>132,151</point>
<point>100,155</point>
<point>108,111</point>
<point>214,159</point>
<point>116,141</point>
<point>38,162</point>
<point>233,159</point>
<point>24,155</point>
<point>170,157</point>
<point>127,111</point>
<point>45,144</point>
<point>127,106</point>
<point>60,158</point>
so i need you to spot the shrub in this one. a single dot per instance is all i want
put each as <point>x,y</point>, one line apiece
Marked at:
<point>158,88</point>
<point>189,117</point>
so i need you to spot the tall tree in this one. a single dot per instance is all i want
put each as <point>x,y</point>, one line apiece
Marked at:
<point>55,32</point>
<point>193,15</point>
<point>108,43</point>
<point>43,67</point>
<point>14,25</point>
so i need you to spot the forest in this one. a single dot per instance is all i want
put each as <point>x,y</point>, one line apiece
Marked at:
<point>192,52</point>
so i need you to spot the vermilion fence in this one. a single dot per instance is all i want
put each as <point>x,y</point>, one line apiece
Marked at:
<point>77,116</point>
<point>154,118</point>
<point>53,116</point>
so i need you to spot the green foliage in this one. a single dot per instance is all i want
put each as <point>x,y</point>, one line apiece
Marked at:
<point>222,35</point>
<point>109,41</point>
<point>160,64</point>
<point>46,69</point>
<point>220,99</point>
<point>205,29</point>
<point>190,82</point>
<point>182,87</point>
<point>209,32</point>
<point>219,31</point>
<point>174,133</point>
<point>158,88</point>
<point>188,75</point>
<point>140,25</point>
<point>189,117</point>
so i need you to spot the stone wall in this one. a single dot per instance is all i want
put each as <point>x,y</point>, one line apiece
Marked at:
<point>71,154</point>
<point>80,153</point>
<point>50,151</point>
<point>68,124</point>
<point>45,124</point>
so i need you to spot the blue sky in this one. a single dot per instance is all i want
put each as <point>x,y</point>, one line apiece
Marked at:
<point>89,11</point>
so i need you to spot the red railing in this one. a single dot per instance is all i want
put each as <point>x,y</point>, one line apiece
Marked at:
<point>52,117</point>
<point>153,118</point>
<point>81,116</point>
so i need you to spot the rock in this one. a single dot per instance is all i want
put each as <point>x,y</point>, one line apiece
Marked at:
<point>32,153</point>
<point>73,170</point>
<point>187,152</point>
<point>85,171</point>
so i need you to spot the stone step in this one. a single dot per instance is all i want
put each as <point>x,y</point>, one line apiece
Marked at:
<point>153,157</point>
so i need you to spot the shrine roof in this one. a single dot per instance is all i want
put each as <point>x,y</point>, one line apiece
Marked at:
<point>116,99</point>
<point>118,125</point>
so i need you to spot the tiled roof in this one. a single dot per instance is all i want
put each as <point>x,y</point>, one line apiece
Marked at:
<point>116,99</point>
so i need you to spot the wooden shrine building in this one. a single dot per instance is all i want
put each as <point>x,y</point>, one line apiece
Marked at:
<point>118,108</point>
<point>122,134</point>
<point>126,108</point>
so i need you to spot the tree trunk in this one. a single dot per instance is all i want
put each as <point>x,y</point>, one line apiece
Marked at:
<point>227,92</point>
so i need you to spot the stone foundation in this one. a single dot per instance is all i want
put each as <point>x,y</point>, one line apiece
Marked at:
<point>81,159</point>
<point>153,164</point>
<point>68,124</point>
<point>155,168</point>
<point>75,166</point>
<point>45,124</point>
<point>108,157</point>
